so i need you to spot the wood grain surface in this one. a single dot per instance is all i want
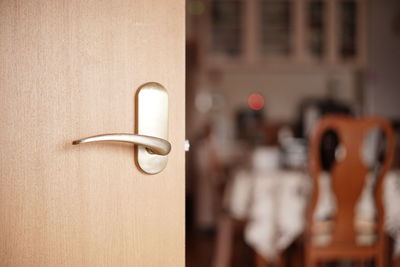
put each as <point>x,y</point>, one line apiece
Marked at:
<point>70,69</point>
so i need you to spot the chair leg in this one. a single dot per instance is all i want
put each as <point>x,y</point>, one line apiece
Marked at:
<point>260,261</point>
<point>223,250</point>
<point>314,263</point>
<point>280,261</point>
<point>396,262</point>
<point>380,261</point>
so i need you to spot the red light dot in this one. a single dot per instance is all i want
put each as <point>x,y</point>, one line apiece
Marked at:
<point>255,101</point>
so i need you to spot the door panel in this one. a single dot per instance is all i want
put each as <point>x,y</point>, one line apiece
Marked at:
<point>70,69</point>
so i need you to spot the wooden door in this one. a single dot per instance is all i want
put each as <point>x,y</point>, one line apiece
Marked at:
<point>70,69</point>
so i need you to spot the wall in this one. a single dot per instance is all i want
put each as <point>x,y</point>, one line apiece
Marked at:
<point>383,80</point>
<point>283,89</point>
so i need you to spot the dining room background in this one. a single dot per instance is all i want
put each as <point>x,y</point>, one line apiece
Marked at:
<point>293,120</point>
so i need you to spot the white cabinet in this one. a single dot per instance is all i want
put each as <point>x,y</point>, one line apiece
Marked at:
<point>263,32</point>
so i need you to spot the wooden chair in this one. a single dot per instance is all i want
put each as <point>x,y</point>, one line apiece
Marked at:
<point>347,184</point>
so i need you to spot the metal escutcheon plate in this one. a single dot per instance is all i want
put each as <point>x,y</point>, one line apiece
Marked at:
<point>152,120</point>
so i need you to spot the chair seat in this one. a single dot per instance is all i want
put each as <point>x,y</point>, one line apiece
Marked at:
<point>344,252</point>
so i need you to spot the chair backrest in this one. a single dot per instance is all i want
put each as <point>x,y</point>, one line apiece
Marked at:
<point>348,175</point>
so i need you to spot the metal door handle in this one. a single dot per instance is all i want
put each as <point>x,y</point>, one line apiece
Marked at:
<point>154,145</point>
<point>152,129</point>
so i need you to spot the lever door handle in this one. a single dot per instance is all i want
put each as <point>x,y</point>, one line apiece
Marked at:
<point>154,145</point>
<point>151,128</point>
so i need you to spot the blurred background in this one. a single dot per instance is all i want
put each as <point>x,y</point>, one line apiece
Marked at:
<point>261,75</point>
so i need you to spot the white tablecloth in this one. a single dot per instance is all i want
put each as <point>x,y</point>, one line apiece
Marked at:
<point>274,206</point>
<point>391,200</point>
